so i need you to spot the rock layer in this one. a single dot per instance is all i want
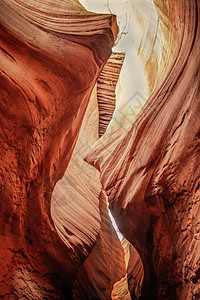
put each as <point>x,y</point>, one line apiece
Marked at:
<point>106,86</point>
<point>51,56</point>
<point>150,168</point>
<point>80,214</point>
<point>105,264</point>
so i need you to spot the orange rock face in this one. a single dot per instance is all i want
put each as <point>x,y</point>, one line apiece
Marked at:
<point>56,239</point>
<point>152,177</point>
<point>106,86</point>
<point>80,214</point>
<point>150,169</point>
<point>49,67</point>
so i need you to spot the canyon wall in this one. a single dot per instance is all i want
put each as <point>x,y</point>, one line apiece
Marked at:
<point>63,245</point>
<point>51,56</point>
<point>150,168</point>
<point>106,86</point>
<point>80,214</point>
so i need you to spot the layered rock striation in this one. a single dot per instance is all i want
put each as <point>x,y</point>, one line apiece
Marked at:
<point>150,168</point>
<point>80,214</point>
<point>63,245</point>
<point>51,56</point>
<point>106,86</point>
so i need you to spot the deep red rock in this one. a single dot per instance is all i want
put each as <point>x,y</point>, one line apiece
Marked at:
<point>49,67</point>
<point>80,214</point>
<point>51,57</point>
<point>150,169</point>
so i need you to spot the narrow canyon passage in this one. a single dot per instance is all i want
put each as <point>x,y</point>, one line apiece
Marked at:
<point>70,205</point>
<point>99,149</point>
<point>79,198</point>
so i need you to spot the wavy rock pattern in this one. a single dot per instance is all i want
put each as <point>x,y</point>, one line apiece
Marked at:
<point>105,264</point>
<point>75,199</point>
<point>130,286</point>
<point>150,168</point>
<point>106,85</point>
<point>135,273</point>
<point>52,53</point>
<point>80,214</point>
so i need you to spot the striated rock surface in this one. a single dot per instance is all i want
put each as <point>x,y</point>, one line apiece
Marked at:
<point>75,199</point>
<point>135,272</point>
<point>106,86</point>
<point>63,245</point>
<point>150,168</point>
<point>80,214</point>
<point>105,265</point>
<point>130,286</point>
<point>51,55</point>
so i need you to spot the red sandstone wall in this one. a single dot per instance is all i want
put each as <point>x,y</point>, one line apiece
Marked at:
<point>151,176</point>
<point>49,64</point>
<point>50,61</point>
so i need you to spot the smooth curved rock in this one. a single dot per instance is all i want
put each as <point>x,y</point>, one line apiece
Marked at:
<point>130,286</point>
<point>80,214</point>
<point>50,62</point>
<point>150,168</point>
<point>52,53</point>
<point>105,264</point>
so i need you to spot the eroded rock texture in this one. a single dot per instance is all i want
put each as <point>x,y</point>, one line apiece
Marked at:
<point>150,168</point>
<point>51,56</point>
<point>80,214</point>
<point>134,275</point>
<point>106,86</point>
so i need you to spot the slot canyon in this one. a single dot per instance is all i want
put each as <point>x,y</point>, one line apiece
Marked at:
<point>100,149</point>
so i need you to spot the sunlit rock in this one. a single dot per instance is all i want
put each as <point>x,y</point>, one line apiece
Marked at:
<point>150,168</point>
<point>56,175</point>
<point>51,56</point>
